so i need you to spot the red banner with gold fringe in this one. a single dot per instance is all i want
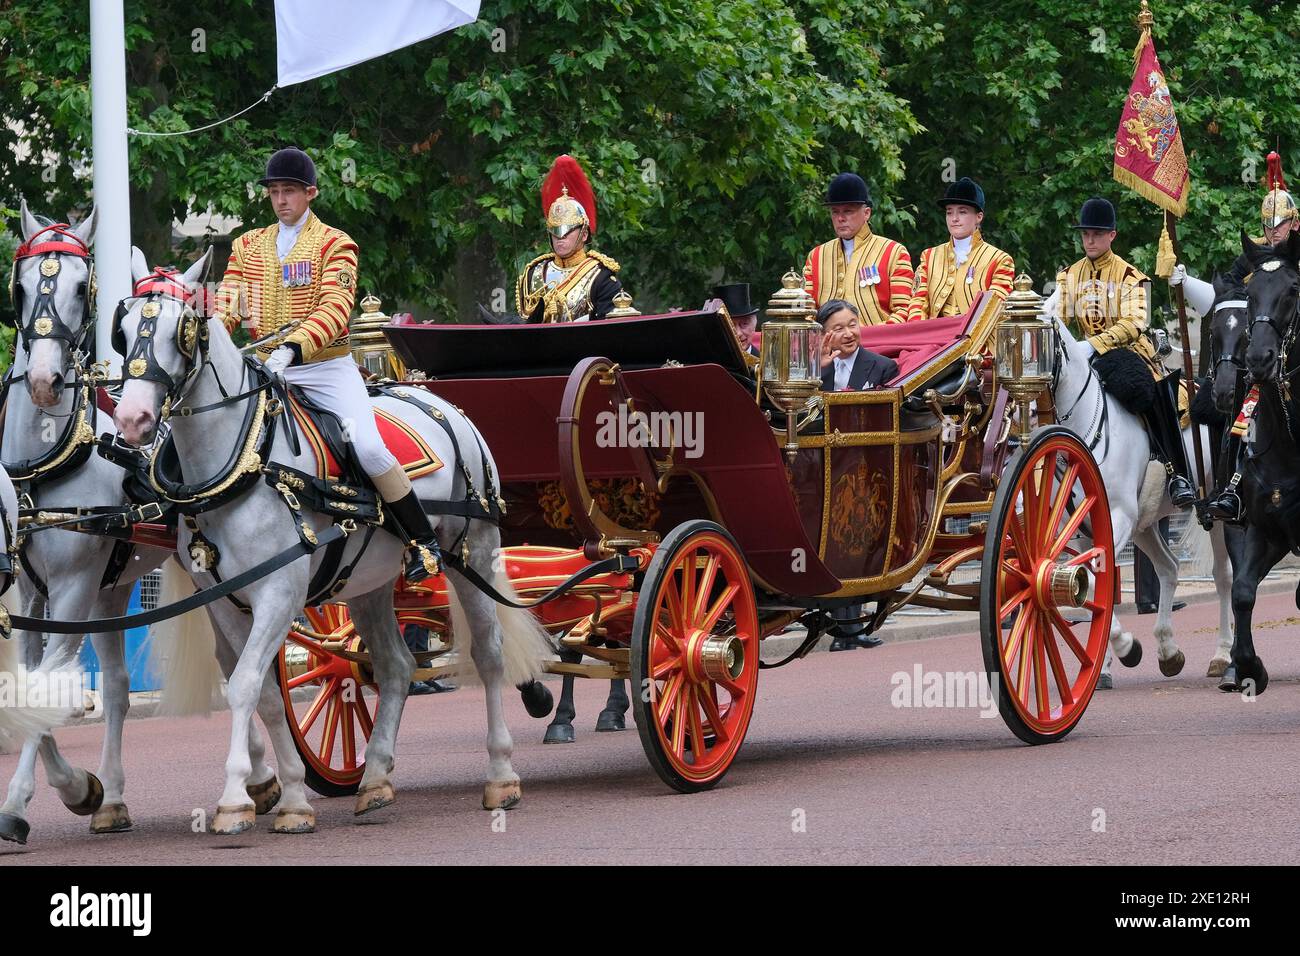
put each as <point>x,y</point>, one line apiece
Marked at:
<point>1149,154</point>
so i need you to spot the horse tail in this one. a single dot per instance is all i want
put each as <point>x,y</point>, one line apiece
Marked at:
<point>1194,541</point>
<point>524,643</point>
<point>183,651</point>
<point>18,720</point>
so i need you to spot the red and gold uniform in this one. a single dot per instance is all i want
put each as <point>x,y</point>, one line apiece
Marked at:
<point>1107,300</point>
<point>944,287</point>
<point>876,276</point>
<point>316,284</point>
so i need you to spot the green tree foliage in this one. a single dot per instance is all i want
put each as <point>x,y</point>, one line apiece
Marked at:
<point>1025,98</point>
<point>709,130</point>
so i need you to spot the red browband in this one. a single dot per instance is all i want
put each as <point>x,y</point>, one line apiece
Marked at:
<point>164,281</point>
<point>68,243</point>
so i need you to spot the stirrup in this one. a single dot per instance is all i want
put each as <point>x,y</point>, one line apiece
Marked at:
<point>1181,492</point>
<point>422,561</point>
<point>1225,506</point>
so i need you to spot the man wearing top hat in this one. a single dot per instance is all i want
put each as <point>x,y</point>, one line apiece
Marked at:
<point>868,270</point>
<point>734,298</point>
<point>1106,299</point>
<point>295,281</point>
<point>949,277</point>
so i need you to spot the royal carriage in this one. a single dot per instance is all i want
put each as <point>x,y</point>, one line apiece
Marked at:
<point>689,504</point>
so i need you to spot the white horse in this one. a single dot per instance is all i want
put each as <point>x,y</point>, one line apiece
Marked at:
<point>69,564</point>
<point>257,524</point>
<point>1139,498</point>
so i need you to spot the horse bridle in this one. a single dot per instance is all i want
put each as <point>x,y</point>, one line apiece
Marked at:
<point>44,321</point>
<point>1286,338</point>
<point>191,332</point>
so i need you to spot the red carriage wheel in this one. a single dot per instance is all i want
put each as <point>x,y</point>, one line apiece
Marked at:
<point>694,656</point>
<point>1045,607</point>
<point>330,731</point>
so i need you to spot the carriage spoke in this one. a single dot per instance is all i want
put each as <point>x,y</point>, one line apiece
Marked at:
<point>1084,558</point>
<point>1058,671</point>
<point>668,640</point>
<point>1071,527</point>
<point>1012,603</point>
<point>363,715</point>
<point>349,737</point>
<point>698,746</point>
<point>1009,568</point>
<point>1067,635</point>
<point>710,701</point>
<point>1040,672</point>
<point>331,728</point>
<point>677,622</point>
<point>678,743</point>
<point>1045,496</point>
<point>1063,494</point>
<point>723,602</point>
<point>324,697</point>
<point>1026,654</point>
<point>689,569</point>
<point>668,697</point>
<point>314,674</point>
<point>1017,636</point>
<point>1019,540</point>
<point>704,588</point>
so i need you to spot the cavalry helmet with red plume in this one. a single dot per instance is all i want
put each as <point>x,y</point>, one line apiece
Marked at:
<point>567,198</point>
<point>1278,205</point>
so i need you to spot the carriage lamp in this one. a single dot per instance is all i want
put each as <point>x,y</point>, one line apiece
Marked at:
<point>1026,344</point>
<point>370,348</point>
<point>790,365</point>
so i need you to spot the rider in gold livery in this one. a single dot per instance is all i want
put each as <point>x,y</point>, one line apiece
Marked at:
<point>571,283</point>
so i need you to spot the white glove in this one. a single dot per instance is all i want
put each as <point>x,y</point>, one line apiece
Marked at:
<point>1052,304</point>
<point>279,360</point>
<point>1179,275</point>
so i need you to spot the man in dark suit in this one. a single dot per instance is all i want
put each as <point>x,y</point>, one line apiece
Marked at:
<point>846,365</point>
<point>744,314</point>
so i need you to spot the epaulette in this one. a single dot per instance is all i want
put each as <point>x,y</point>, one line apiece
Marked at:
<point>540,259</point>
<point>604,260</point>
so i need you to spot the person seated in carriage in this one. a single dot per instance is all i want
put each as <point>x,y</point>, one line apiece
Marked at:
<point>295,282</point>
<point>951,276</point>
<point>1107,300</point>
<point>571,283</point>
<point>1279,217</point>
<point>846,365</point>
<point>734,299</point>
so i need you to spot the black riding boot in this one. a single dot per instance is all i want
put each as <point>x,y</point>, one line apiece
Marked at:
<point>1167,437</point>
<point>422,557</point>
<point>1225,504</point>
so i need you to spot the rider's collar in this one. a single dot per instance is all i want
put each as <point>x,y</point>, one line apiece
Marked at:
<point>1102,261</point>
<point>572,261</point>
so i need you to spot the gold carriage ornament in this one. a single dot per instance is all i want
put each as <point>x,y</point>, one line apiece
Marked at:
<point>790,367</point>
<point>1026,346</point>
<point>370,348</point>
<point>622,307</point>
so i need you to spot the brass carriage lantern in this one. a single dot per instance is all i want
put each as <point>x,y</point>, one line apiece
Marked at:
<point>1026,344</point>
<point>790,366</point>
<point>370,348</point>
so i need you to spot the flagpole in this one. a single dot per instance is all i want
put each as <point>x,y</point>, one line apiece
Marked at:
<point>1171,226</point>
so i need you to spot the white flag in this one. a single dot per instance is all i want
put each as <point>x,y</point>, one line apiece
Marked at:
<point>315,37</point>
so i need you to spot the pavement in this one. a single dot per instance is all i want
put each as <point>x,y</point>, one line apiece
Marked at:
<point>834,769</point>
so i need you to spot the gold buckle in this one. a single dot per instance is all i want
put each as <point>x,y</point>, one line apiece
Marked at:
<point>150,511</point>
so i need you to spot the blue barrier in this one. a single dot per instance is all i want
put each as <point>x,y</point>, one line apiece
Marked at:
<point>137,654</point>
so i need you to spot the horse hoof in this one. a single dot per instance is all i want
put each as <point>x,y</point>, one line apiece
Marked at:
<point>1172,666</point>
<point>14,829</point>
<point>610,720</point>
<point>1217,666</point>
<point>93,800</point>
<point>502,796</point>
<point>111,819</point>
<point>558,734</point>
<point>231,821</point>
<point>294,821</point>
<point>375,798</point>
<point>265,795</point>
<point>1134,655</point>
<point>1228,681</point>
<point>1105,682</point>
<point>1253,678</point>
<point>537,699</point>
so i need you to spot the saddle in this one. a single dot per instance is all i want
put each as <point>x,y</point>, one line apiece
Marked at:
<point>335,458</point>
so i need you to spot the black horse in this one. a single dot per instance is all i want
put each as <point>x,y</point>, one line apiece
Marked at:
<point>1270,465</point>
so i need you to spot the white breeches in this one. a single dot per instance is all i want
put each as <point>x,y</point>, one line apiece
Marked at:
<point>336,384</point>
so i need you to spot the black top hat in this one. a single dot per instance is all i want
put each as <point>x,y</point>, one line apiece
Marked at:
<point>736,298</point>
<point>291,164</point>
<point>1097,213</point>
<point>847,188</point>
<point>964,192</point>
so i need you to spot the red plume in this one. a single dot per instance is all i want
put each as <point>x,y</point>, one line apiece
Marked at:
<point>565,171</point>
<point>1274,179</point>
